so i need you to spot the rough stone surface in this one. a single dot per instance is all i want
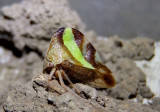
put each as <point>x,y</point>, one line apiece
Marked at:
<point>15,71</point>
<point>156,103</point>
<point>33,96</point>
<point>31,23</point>
<point>130,79</point>
<point>140,48</point>
<point>25,32</point>
<point>151,69</point>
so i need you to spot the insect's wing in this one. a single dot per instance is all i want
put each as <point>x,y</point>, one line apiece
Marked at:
<point>105,78</point>
<point>99,78</point>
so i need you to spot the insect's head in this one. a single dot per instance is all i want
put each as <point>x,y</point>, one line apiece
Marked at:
<point>47,66</point>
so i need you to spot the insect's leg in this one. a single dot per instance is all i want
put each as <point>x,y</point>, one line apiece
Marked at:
<point>67,88</point>
<point>51,74</point>
<point>62,82</point>
<point>65,75</point>
<point>52,84</point>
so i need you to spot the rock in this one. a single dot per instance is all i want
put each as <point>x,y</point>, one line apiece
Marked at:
<point>8,73</point>
<point>151,69</point>
<point>114,48</point>
<point>33,29</point>
<point>130,81</point>
<point>88,92</point>
<point>140,48</point>
<point>25,36</point>
<point>127,89</point>
<point>16,71</point>
<point>126,68</point>
<point>145,91</point>
<point>156,103</point>
<point>34,97</point>
<point>119,56</point>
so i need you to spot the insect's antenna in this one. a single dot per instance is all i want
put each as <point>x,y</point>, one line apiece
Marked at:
<point>65,75</point>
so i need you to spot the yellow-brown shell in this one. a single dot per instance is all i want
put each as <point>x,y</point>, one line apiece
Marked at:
<point>58,55</point>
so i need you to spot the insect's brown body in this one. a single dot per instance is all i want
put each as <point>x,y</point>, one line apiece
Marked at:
<point>61,58</point>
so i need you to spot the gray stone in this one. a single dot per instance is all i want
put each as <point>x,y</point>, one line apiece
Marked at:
<point>33,97</point>
<point>33,29</point>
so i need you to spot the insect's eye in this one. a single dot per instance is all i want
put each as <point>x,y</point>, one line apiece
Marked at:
<point>50,65</point>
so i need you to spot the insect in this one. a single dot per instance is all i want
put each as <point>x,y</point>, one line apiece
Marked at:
<point>71,57</point>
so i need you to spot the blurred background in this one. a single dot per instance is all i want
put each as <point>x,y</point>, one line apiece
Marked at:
<point>126,18</point>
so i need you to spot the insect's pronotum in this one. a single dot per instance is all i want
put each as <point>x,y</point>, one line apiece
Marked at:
<point>71,57</point>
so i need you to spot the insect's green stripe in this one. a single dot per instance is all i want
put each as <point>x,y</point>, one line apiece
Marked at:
<point>68,40</point>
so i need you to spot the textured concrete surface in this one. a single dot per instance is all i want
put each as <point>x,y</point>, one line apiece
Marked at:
<point>127,18</point>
